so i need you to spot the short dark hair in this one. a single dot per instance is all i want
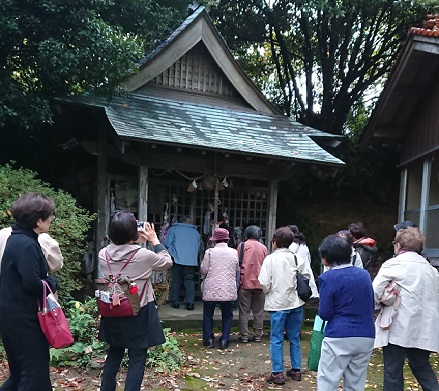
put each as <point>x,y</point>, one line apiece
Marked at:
<point>122,227</point>
<point>344,233</point>
<point>299,237</point>
<point>358,230</point>
<point>283,237</point>
<point>31,207</point>
<point>252,232</point>
<point>336,250</point>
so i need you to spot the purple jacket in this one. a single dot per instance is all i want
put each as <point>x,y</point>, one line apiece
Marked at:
<point>220,265</point>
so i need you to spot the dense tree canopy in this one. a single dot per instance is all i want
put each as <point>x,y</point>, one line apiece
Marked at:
<point>317,59</point>
<point>51,48</point>
<point>314,59</point>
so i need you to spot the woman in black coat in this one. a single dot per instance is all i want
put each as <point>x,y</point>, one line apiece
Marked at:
<point>23,267</point>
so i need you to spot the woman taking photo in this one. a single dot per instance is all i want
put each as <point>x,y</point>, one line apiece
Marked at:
<point>135,333</point>
<point>22,269</point>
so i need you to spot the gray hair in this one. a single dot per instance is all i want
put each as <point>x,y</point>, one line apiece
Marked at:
<point>253,232</point>
<point>186,219</point>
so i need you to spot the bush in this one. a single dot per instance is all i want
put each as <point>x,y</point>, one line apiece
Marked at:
<point>167,357</point>
<point>83,320</point>
<point>69,228</point>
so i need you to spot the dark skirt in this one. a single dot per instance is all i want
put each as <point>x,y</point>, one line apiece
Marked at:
<point>141,331</point>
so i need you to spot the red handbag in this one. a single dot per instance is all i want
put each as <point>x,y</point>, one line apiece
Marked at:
<point>53,322</point>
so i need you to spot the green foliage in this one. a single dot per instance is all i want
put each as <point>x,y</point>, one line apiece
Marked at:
<point>167,357</point>
<point>50,48</point>
<point>84,322</point>
<point>152,21</point>
<point>316,59</point>
<point>83,319</point>
<point>357,120</point>
<point>69,228</point>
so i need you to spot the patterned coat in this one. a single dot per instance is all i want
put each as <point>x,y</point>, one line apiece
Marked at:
<point>220,265</point>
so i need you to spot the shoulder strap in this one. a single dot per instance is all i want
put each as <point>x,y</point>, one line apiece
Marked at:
<point>107,258</point>
<point>143,290</point>
<point>241,254</point>
<point>123,267</point>
<point>295,259</point>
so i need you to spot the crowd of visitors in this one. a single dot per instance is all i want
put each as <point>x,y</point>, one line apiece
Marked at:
<point>393,306</point>
<point>350,291</point>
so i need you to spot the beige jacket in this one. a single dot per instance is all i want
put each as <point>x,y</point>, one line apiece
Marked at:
<point>140,267</point>
<point>278,280</point>
<point>49,247</point>
<point>416,322</point>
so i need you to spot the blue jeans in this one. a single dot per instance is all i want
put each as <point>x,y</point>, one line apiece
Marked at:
<point>394,357</point>
<point>185,273</point>
<point>291,322</point>
<point>226,316</point>
<point>136,368</point>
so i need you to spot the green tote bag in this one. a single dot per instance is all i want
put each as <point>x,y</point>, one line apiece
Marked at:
<point>316,343</point>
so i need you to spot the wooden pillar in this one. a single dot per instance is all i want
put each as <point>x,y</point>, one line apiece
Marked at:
<point>143,193</point>
<point>402,194</point>
<point>273,186</point>
<point>102,191</point>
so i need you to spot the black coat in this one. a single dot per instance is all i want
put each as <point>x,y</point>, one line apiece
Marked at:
<point>23,267</point>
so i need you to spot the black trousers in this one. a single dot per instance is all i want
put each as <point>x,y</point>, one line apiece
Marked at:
<point>394,357</point>
<point>28,358</point>
<point>186,274</point>
<point>136,368</point>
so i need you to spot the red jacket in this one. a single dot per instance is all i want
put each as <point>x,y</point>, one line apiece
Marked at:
<point>254,254</point>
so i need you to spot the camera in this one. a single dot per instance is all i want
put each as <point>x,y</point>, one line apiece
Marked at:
<point>140,225</point>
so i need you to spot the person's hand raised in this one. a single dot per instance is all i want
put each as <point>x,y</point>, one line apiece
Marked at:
<point>148,234</point>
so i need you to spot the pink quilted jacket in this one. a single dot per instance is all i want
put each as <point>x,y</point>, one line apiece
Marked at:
<point>220,266</point>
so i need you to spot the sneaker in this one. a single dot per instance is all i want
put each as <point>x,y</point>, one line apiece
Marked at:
<point>210,343</point>
<point>295,375</point>
<point>276,379</point>
<point>223,344</point>
<point>257,338</point>
<point>243,339</point>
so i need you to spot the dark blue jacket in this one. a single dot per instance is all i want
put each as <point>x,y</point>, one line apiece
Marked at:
<point>347,302</point>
